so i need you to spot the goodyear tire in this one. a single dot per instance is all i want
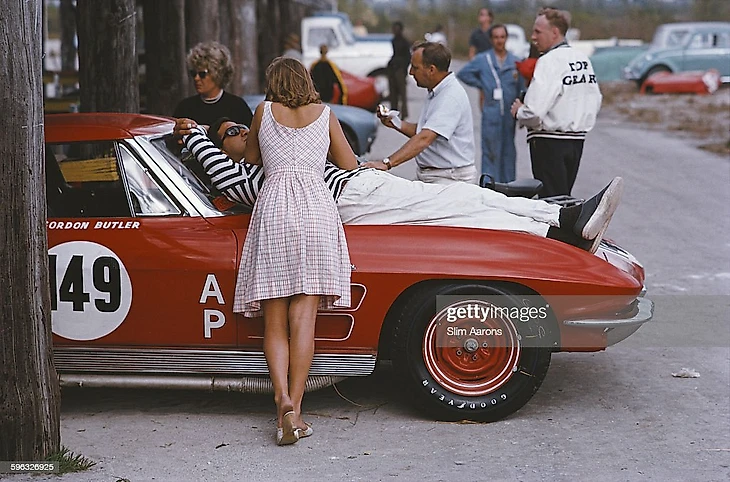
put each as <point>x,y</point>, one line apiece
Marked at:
<point>482,368</point>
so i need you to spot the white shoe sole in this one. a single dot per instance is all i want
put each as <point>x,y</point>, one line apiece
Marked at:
<point>598,222</point>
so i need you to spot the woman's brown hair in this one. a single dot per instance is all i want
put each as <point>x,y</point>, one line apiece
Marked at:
<point>289,83</point>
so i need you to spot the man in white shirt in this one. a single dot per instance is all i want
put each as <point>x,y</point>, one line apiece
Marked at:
<point>442,142</point>
<point>560,106</point>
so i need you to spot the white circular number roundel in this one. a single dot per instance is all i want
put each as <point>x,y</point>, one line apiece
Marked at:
<point>90,290</point>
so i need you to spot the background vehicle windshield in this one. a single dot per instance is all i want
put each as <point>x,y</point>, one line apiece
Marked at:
<point>667,36</point>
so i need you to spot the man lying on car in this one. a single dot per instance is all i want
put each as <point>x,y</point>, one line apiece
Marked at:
<point>372,196</point>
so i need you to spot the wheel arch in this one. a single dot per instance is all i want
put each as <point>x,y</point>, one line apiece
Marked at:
<point>378,71</point>
<point>658,67</point>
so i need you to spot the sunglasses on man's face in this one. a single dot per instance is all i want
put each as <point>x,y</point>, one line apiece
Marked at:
<point>233,131</point>
<point>200,73</point>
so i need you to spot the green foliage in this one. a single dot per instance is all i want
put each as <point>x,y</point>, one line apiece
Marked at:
<point>595,19</point>
<point>710,10</point>
<point>70,462</point>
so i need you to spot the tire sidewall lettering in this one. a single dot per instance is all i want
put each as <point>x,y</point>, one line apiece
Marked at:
<point>447,398</point>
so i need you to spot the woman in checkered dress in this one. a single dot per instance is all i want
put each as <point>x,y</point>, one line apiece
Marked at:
<point>295,257</point>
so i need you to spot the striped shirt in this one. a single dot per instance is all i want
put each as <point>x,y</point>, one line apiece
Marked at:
<point>241,182</point>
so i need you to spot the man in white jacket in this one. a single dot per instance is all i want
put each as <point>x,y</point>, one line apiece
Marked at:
<point>560,106</point>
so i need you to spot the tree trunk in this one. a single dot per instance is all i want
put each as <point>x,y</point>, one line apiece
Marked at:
<point>107,55</point>
<point>202,22</point>
<point>68,35</point>
<point>164,36</point>
<point>270,35</point>
<point>29,393</point>
<point>241,39</point>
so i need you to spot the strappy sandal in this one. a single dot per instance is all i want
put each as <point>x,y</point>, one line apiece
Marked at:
<point>305,432</point>
<point>287,434</point>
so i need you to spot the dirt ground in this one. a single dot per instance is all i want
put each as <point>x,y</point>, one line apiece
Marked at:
<point>705,118</point>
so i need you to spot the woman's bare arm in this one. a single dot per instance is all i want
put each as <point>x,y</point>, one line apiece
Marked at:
<point>252,154</point>
<point>340,152</point>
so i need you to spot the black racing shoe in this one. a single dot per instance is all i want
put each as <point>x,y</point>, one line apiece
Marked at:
<point>595,213</point>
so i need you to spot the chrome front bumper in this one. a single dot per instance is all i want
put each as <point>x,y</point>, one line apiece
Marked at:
<point>619,329</point>
<point>644,314</point>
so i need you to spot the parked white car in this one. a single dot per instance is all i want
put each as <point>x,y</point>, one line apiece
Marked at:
<point>364,56</point>
<point>517,43</point>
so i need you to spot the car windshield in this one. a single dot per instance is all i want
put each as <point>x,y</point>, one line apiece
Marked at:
<point>669,36</point>
<point>346,31</point>
<point>190,170</point>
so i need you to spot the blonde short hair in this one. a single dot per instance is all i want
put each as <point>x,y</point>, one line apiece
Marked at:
<point>213,57</point>
<point>556,18</point>
<point>288,82</point>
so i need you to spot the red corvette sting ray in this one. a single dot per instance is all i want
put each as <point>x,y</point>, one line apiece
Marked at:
<point>143,261</point>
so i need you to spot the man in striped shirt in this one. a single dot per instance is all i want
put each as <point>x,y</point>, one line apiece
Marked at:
<point>372,196</point>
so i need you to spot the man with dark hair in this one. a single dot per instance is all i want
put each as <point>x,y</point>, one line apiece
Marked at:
<point>371,196</point>
<point>494,73</point>
<point>560,106</point>
<point>442,142</point>
<point>398,70</point>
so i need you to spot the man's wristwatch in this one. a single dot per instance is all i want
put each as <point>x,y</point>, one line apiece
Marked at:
<point>386,161</point>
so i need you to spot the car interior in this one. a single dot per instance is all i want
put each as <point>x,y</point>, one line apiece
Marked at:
<point>87,194</point>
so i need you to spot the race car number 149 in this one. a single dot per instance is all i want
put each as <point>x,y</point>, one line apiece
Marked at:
<point>90,290</point>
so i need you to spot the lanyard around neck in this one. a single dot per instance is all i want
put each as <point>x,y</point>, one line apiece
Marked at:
<point>496,79</point>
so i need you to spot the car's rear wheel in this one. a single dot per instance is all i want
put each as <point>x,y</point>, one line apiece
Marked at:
<point>473,367</point>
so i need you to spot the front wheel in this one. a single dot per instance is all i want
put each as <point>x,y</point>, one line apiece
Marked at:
<point>468,356</point>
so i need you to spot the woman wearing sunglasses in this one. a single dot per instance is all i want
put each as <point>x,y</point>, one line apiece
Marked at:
<point>295,258</point>
<point>210,68</point>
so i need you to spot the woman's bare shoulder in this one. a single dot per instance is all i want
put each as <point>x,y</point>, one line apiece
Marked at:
<point>297,117</point>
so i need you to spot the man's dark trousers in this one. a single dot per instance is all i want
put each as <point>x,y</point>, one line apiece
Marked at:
<point>555,162</point>
<point>397,85</point>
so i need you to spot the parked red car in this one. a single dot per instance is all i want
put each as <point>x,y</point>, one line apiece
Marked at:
<point>363,92</point>
<point>143,267</point>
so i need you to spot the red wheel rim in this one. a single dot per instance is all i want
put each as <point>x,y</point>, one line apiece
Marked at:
<point>470,356</point>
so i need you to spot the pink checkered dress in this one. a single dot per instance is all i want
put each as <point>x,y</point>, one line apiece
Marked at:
<point>295,242</point>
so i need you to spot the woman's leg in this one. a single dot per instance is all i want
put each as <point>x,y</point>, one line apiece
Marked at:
<point>302,317</point>
<point>276,349</point>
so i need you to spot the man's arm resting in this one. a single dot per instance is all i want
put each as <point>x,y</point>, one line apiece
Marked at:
<point>228,176</point>
<point>470,74</point>
<point>414,146</point>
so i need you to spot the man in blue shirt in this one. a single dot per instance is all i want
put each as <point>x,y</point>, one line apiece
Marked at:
<point>494,72</point>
